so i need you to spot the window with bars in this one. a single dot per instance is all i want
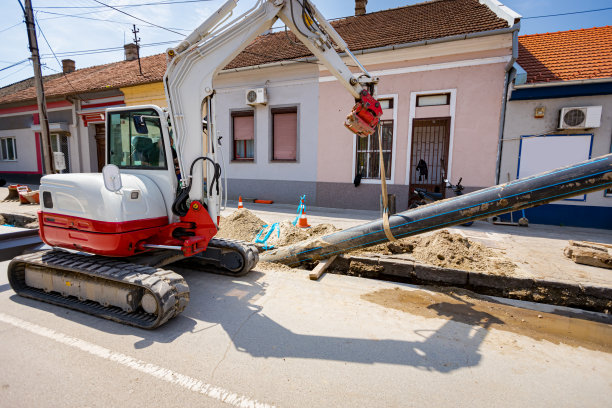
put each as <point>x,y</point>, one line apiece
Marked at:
<point>368,154</point>
<point>243,135</point>
<point>284,134</point>
<point>8,148</point>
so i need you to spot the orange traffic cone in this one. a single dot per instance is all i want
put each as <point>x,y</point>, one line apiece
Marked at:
<point>240,202</point>
<point>303,221</point>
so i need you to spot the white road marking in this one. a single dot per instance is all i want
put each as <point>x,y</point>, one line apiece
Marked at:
<point>153,370</point>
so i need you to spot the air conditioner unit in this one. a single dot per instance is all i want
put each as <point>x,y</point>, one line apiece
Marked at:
<point>580,117</point>
<point>256,96</point>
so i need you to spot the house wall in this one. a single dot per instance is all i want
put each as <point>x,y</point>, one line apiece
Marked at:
<point>263,178</point>
<point>147,94</point>
<point>596,210</point>
<point>17,122</point>
<point>475,81</point>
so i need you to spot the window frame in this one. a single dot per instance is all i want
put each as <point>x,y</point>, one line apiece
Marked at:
<point>294,108</point>
<point>391,176</point>
<point>241,113</point>
<point>4,140</point>
<point>147,112</point>
<point>447,94</point>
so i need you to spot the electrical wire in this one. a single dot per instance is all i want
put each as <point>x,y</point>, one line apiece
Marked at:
<point>123,5</point>
<point>15,64</point>
<point>13,73</point>
<point>137,18</point>
<point>57,59</point>
<point>60,15</point>
<point>8,28</point>
<point>567,14</point>
<point>101,50</point>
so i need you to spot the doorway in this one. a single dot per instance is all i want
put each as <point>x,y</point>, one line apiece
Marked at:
<point>429,154</point>
<point>100,145</point>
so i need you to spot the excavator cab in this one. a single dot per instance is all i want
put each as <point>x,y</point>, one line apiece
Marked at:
<point>138,142</point>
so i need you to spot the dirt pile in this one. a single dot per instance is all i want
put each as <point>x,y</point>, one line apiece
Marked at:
<point>244,225</point>
<point>289,234</point>
<point>241,224</point>
<point>447,250</point>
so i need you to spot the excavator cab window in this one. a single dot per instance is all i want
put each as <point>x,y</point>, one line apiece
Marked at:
<point>136,140</point>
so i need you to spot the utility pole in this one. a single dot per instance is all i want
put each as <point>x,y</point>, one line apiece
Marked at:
<point>47,153</point>
<point>136,41</point>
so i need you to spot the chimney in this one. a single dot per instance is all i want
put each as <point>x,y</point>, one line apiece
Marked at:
<point>360,7</point>
<point>131,51</point>
<point>68,66</point>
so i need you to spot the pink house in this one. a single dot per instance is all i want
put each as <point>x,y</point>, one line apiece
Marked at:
<point>443,68</point>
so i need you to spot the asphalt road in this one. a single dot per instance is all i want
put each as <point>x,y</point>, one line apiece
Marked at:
<point>275,338</point>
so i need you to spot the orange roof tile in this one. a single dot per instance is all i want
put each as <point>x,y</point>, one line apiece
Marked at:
<point>567,55</point>
<point>424,21</point>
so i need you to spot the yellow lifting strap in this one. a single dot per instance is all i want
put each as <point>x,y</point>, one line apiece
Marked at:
<point>383,184</point>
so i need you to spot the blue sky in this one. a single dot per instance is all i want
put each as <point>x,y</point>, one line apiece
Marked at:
<point>82,38</point>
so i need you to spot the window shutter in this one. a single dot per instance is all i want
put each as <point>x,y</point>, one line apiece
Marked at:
<point>285,136</point>
<point>244,128</point>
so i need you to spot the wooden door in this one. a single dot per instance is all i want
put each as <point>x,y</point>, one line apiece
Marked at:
<point>100,146</point>
<point>429,154</point>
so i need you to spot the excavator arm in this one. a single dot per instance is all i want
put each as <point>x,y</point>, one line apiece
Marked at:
<point>193,64</point>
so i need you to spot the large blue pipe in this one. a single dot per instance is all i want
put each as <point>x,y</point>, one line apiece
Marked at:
<point>581,178</point>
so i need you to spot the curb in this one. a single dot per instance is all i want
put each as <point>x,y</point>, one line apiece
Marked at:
<point>583,296</point>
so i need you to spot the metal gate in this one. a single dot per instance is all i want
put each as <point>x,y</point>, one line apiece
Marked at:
<point>429,154</point>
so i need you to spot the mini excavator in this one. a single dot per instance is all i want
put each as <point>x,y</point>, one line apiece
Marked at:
<point>158,199</point>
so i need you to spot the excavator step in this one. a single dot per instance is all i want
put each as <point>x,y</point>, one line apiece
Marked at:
<point>128,293</point>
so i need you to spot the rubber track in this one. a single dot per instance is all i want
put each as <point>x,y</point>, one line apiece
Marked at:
<point>169,288</point>
<point>248,252</point>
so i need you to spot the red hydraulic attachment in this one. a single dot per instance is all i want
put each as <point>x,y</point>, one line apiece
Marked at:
<point>365,115</point>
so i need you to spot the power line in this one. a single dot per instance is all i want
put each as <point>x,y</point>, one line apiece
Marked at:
<point>61,15</point>
<point>15,64</point>
<point>57,59</point>
<point>124,5</point>
<point>13,73</point>
<point>569,13</point>
<point>8,28</point>
<point>139,19</point>
<point>103,50</point>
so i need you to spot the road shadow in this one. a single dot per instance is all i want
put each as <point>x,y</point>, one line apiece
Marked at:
<point>230,304</point>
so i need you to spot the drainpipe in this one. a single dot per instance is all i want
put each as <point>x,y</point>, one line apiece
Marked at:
<point>507,81</point>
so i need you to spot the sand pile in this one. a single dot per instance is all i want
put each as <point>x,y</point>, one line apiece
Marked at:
<point>241,224</point>
<point>447,250</point>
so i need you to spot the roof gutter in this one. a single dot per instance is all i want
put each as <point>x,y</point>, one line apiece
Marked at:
<point>514,30</point>
<point>563,83</point>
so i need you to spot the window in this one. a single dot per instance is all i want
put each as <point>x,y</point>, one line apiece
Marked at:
<point>368,157</point>
<point>284,134</point>
<point>243,134</point>
<point>433,100</point>
<point>59,144</point>
<point>135,140</point>
<point>8,148</point>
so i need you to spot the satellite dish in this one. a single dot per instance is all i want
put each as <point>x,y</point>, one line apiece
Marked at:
<point>112,178</point>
